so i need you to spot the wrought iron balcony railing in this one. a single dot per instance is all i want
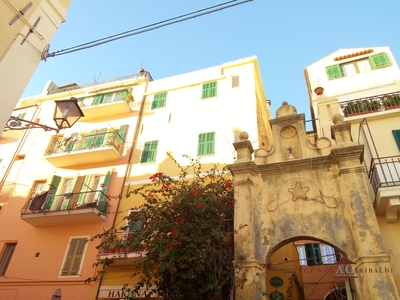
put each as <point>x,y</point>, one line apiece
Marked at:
<point>370,104</point>
<point>86,142</point>
<point>66,202</point>
<point>384,172</point>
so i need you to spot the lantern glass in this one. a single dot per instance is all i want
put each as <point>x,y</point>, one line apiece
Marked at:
<point>67,113</point>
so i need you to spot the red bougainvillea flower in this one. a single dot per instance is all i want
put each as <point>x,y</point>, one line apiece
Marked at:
<point>169,245</point>
<point>200,205</point>
<point>165,187</point>
<point>195,193</point>
<point>173,233</point>
<point>228,185</point>
<point>155,177</point>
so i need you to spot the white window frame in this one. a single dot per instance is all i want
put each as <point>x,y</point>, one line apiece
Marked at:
<point>66,256</point>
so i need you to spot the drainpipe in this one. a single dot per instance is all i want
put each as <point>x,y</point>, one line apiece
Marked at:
<point>135,138</point>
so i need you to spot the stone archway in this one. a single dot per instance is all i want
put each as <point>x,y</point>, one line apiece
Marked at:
<point>303,188</point>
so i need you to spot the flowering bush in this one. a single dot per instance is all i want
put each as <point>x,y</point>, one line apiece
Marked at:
<point>188,229</point>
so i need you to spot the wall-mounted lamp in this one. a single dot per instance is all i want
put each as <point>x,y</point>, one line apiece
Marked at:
<point>66,114</point>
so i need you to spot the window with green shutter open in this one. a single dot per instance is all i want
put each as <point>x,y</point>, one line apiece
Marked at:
<point>206,144</point>
<point>209,90</point>
<point>149,152</point>
<point>334,71</point>
<point>159,100</point>
<point>379,60</point>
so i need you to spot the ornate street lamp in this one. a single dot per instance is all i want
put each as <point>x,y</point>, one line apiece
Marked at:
<point>66,114</point>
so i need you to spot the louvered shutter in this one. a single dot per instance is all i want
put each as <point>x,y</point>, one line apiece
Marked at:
<point>334,71</point>
<point>71,142</point>
<point>121,133</point>
<point>213,89</point>
<point>206,144</point>
<point>379,60</point>
<point>149,153</point>
<point>90,139</point>
<point>100,137</point>
<point>105,188</point>
<point>55,182</point>
<point>85,187</point>
<point>204,94</point>
<point>74,257</point>
<point>98,99</point>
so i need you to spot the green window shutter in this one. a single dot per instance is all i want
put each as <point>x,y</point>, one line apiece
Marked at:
<point>71,142</point>
<point>159,100</point>
<point>209,90</point>
<point>121,133</point>
<point>121,95</point>
<point>334,71</point>
<point>74,257</point>
<point>313,254</point>
<point>84,189</point>
<point>396,134</point>
<point>206,144</point>
<point>90,139</point>
<point>105,188</point>
<point>149,152</point>
<point>100,137</point>
<point>21,116</point>
<point>98,99</point>
<point>379,60</point>
<point>55,182</point>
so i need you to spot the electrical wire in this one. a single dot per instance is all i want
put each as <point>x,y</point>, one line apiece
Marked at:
<point>150,27</point>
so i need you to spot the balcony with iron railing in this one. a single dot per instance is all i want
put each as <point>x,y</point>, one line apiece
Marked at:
<point>80,150</point>
<point>370,104</point>
<point>107,105</point>
<point>118,246</point>
<point>70,208</point>
<point>384,176</point>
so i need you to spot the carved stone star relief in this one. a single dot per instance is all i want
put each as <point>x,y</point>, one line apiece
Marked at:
<point>299,192</point>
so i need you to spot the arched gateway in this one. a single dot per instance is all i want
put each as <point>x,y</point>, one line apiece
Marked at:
<point>300,202</point>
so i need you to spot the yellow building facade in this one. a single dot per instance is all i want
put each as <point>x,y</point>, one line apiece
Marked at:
<point>59,190</point>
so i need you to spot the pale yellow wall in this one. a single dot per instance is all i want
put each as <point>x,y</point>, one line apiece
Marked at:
<point>18,62</point>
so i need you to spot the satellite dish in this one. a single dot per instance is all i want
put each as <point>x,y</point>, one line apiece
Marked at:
<point>56,295</point>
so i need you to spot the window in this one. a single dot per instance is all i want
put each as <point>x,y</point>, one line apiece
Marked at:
<point>235,81</point>
<point>316,254</point>
<point>209,90</point>
<point>123,95</point>
<point>159,100</point>
<point>149,152</point>
<point>364,65</point>
<point>206,145</point>
<point>396,134</point>
<point>379,60</point>
<point>6,258</point>
<point>73,259</point>
<point>136,220</point>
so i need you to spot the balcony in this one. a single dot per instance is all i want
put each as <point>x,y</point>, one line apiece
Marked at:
<point>81,150</point>
<point>102,106</point>
<point>371,104</point>
<point>384,175</point>
<point>71,208</point>
<point>116,246</point>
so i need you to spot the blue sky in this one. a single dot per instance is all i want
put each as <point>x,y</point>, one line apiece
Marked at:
<point>285,35</point>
